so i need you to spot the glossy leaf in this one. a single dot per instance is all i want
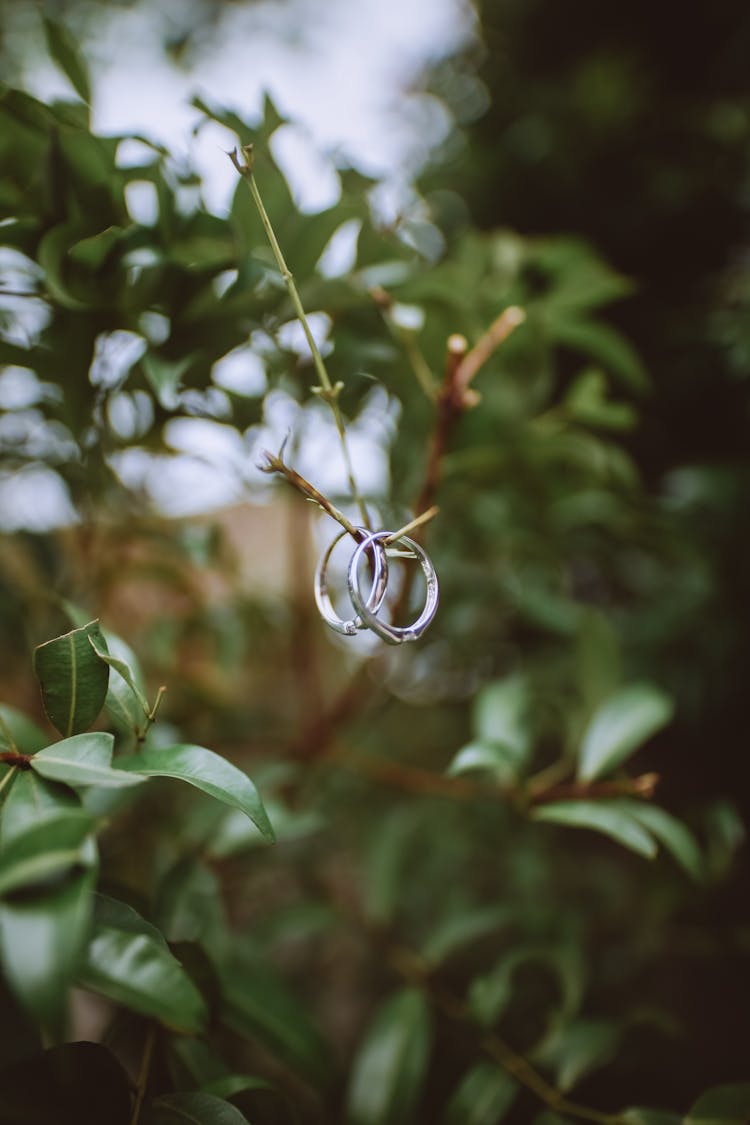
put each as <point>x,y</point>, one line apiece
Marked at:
<point>206,771</point>
<point>42,939</point>
<point>128,961</point>
<point>483,1097</point>
<point>18,732</point>
<point>124,671</point>
<point>31,799</point>
<point>84,759</point>
<point>621,725</point>
<point>200,1108</point>
<point>613,818</point>
<point>73,679</point>
<point>390,1066</point>
<point>673,834</point>
<point>63,48</point>
<point>722,1105</point>
<point>485,757</point>
<point>44,849</point>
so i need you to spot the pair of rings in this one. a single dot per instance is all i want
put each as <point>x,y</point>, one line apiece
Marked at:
<point>373,545</point>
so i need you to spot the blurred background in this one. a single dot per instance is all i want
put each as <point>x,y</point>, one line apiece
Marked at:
<point>592,164</point>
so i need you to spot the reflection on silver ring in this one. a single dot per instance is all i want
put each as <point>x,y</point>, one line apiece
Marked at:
<point>393,634</point>
<point>374,598</point>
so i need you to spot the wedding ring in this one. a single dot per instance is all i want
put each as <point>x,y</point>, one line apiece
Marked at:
<point>367,609</point>
<point>375,597</point>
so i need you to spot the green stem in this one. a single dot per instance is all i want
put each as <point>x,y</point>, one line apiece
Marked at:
<point>327,390</point>
<point>8,734</point>
<point>7,778</point>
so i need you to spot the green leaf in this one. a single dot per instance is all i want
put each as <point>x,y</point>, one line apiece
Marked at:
<point>392,1061</point>
<point>125,672</point>
<point>206,771</point>
<point>31,800</point>
<point>41,939</point>
<point>587,402</point>
<point>128,961</point>
<point>491,993</point>
<point>231,1084</point>
<point>190,902</point>
<point>235,834</point>
<point>92,252</point>
<point>165,377</point>
<point>203,1109</point>
<point>64,50</point>
<point>84,759</point>
<point>613,818</point>
<point>45,849</point>
<point>622,724</point>
<point>722,1105</point>
<point>483,1097</point>
<point>73,679</point>
<point>462,929</point>
<point>580,1048</point>
<point>126,698</point>
<point>257,1004</point>
<point>639,1115</point>
<point>485,757</point>
<point>501,713</point>
<point>18,733</point>
<point>673,834</point>
<point>53,257</point>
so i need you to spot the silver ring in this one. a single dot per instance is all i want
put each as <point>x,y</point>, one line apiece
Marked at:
<point>374,598</point>
<point>393,634</point>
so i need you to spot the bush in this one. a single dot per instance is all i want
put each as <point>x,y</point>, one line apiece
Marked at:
<point>457,921</point>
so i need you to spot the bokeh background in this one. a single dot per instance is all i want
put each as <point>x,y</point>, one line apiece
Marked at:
<point>590,162</point>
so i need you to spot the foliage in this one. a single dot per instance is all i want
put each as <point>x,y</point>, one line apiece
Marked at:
<point>427,940</point>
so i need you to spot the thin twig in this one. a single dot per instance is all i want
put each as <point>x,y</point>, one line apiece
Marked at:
<point>497,333</point>
<point>327,390</point>
<point>272,463</point>
<point>414,779</point>
<point>412,525</point>
<point>456,394</point>
<point>143,1073</point>
<point>643,786</point>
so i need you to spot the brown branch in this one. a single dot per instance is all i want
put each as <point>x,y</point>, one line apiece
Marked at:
<point>456,394</point>
<point>497,333</point>
<point>13,758</point>
<point>643,786</point>
<point>413,779</point>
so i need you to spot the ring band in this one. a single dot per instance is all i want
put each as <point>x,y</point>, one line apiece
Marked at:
<point>374,598</point>
<point>368,609</point>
